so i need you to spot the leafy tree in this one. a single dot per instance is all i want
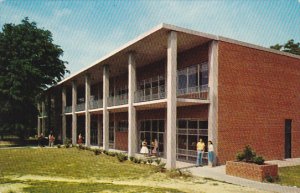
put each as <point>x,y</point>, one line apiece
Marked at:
<point>290,47</point>
<point>29,63</point>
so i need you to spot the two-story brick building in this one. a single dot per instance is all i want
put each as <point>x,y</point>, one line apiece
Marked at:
<point>177,85</point>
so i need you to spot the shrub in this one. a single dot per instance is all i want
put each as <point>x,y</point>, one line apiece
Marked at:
<point>58,146</point>
<point>248,155</point>
<point>258,160</point>
<point>157,161</point>
<point>105,152</point>
<point>113,154</point>
<point>131,158</point>
<point>160,167</point>
<point>68,143</point>
<point>144,161</point>
<point>121,157</point>
<point>150,161</point>
<point>97,151</point>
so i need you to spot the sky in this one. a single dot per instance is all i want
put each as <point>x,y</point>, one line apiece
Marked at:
<point>89,29</point>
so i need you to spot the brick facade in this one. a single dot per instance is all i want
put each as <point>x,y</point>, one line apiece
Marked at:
<point>257,91</point>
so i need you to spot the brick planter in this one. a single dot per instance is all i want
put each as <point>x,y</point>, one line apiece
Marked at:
<point>251,171</point>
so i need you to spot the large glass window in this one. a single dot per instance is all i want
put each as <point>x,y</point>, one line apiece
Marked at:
<point>188,134</point>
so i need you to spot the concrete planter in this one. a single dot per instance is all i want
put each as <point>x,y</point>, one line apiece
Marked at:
<point>251,171</point>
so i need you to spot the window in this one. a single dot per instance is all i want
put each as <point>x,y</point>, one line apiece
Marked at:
<point>193,77</point>
<point>182,79</point>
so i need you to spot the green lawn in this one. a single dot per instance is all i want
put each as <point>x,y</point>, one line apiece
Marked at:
<point>289,176</point>
<point>71,164</point>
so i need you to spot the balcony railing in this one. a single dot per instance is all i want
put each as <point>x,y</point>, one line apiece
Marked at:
<point>198,92</point>
<point>150,94</point>
<point>118,100</point>
<point>80,107</point>
<point>96,104</point>
<point>68,109</point>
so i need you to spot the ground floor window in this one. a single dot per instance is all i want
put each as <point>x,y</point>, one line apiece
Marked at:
<point>111,137</point>
<point>188,134</point>
<point>151,130</point>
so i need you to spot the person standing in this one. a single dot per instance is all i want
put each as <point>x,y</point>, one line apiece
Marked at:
<point>155,147</point>
<point>51,140</point>
<point>80,139</point>
<point>200,152</point>
<point>144,149</point>
<point>210,154</point>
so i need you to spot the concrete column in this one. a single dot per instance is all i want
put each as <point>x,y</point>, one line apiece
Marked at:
<point>39,119</point>
<point>105,111</point>
<point>213,94</point>
<point>43,118</point>
<point>74,116</point>
<point>171,99</point>
<point>64,121</point>
<point>132,131</point>
<point>87,113</point>
<point>99,136</point>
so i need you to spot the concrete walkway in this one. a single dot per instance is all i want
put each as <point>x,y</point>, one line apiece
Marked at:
<point>218,173</point>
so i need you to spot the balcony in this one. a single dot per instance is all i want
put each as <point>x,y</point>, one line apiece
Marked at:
<point>118,100</point>
<point>80,107</point>
<point>198,92</point>
<point>96,104</point>
<point>68,109</point>
<point>150,94</point>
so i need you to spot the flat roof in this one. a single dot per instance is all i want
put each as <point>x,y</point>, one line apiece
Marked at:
<point>149,48</point>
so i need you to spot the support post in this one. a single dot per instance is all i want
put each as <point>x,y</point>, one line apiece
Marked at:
<point>132,131</point>
<point>87,107</point>
<point>171,99</point>
<point>74,116</point>
<point>213,95</point>
<point>105,104</point>
<point>64,121</point>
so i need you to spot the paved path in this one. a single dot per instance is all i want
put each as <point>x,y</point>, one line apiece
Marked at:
<point>218,173</point>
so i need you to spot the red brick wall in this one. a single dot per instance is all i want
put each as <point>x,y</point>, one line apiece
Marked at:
<point>193,112</point>
<point>257,91</point>
<point>192,57</point>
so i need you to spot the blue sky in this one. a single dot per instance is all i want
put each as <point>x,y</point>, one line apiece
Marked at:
<point>89,29</point>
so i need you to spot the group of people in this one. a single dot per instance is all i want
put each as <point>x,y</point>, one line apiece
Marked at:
<point>145,150</point>
<point>42,140</point>
<point>200,151</point>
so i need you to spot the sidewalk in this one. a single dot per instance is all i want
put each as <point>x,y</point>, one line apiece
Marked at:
<point>218,173</point>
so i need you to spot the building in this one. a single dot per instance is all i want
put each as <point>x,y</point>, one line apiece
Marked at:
<point>177,85</point>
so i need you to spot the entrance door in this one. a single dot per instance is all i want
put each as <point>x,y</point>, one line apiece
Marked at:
<point>288,138</point>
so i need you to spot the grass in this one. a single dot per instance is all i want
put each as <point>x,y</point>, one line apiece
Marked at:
<point>71,164</point>
<point>289,176</point>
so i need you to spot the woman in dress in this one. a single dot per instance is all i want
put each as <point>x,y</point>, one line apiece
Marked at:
<point>80,139</point>
<point>144,149</point>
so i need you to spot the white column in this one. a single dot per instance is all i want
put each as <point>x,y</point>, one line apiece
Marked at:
<point>43,117</point>
<point>87,107</point>
<point>213,94</point>
<point>132,132</point>
<point>39,119</point>
<point>74,116</point>
<point>171,99</point>
<point>105,111</point>
<point>64,121</point>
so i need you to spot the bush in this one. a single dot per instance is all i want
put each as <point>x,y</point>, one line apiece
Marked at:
<point>97,151</point>
<point>157,161</point>
<point>144,161</point>
<point>121,157</point>
<point>105,152</point>
<point>248,155</point>
<point>131,158</point>
<point>160,167</point>
<point>68,143</point>
<point>258,160</point>
<point>113,154</point>
<point>150,161</point>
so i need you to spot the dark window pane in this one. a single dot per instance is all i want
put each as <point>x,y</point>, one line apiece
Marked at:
<point>182,124</point>
<point>203,124</point>
<point>155,125</point>
<point>192,141</point>
<point>193,125</point>
<point>161,126</point>
<point>147,125</point>
<point>182,81</point>
<point>182,141</point>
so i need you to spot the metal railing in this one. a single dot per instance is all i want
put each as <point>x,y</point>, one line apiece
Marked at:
<point>198,92</point>
<point>118,100</point>
<point>96,104</point>
<point>68,109</point>
<point>150,94</point>
<point>80,107</point>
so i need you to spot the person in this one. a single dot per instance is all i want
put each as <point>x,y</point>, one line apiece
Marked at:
<point>144,149</point>
<point>200,151</point>
<point>80,139</point>
<point>210,154</point>
<point>41,140</point>
<point>51,140</point>
<point>155,146</point>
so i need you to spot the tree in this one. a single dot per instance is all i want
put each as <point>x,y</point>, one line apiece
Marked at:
<point>29,63</point>
<point>290,47</point>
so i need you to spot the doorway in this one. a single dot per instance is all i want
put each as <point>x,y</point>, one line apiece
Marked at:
<point>288,138</point>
